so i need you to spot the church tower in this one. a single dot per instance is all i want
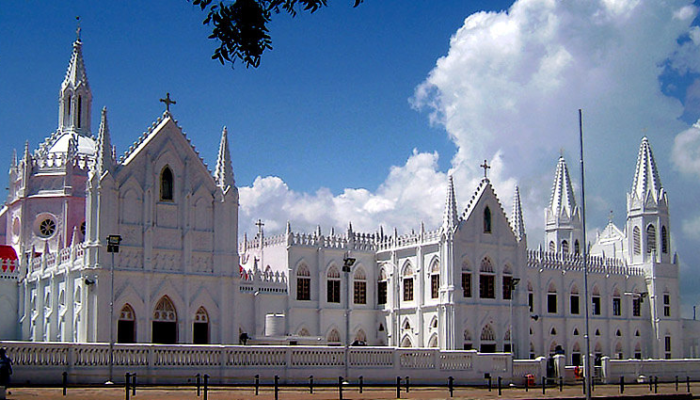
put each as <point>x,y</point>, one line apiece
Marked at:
<point>563,228</point>
<point>75,100</point>
<point>648,230</point>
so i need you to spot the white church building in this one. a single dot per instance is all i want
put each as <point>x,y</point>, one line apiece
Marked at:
<point>182,276</point>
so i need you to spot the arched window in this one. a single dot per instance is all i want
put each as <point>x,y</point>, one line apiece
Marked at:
<point>636,241</point>
<point>126,326</point>
<point>597,309</point>
<point>303,332</point>
<point>361,337</point>
<point>487,220</point>
<point>360,287</point>
<point>435,280</point>
<point>433,342</point>
<point>651,238</point>
<point>467,345</point>
<point>488,340</point>
<point>507,346</point>
<point>80,111</point>
<point>334,336</point>
<point>408,283</point>
<point>303,283</point>
<point>552,246</point>
<point>382,287</point>
<point>552,299</point>
<point>406,342</point>
<point>508,283</point>
<point>166,184</point>
<point>466,280</point>
<point>664,240</point>
<point>164,328</point>
<point>565,246</point>
<point>616,303</point>
<point>577,247</point>
<point>576,355</point>
<point>200,328</point>
<point>486,280</point>
<point>333,285</point>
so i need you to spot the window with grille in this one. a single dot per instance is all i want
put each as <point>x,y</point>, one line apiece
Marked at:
<point>636,241</point>
<point>466,285</point>
<point>667,305</point>
<point>303,283</point>
<point>507,287</point>
<point>486,287</point>
<point>381,292</point>
<point>408,289</point>
<point>596,305</point>
<point>434,286</point>
<point>617,306</point>
<point>552,303</point>
<point>574,304</point>
<point>637,307</point>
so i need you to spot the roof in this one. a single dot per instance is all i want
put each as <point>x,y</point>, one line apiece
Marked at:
<point>7,253</point>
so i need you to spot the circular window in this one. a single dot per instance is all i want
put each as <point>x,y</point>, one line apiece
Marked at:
<point>47,227</point>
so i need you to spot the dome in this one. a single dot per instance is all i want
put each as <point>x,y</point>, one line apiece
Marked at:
<point>86,145</point>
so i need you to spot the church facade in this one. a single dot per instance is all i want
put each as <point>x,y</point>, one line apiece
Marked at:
<point>181,275</point>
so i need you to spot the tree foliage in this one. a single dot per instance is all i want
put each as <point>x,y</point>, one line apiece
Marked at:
<point>241,26</point>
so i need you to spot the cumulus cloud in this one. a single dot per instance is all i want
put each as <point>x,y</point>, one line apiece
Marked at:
<point>691,227</point>
<point>686,150</point>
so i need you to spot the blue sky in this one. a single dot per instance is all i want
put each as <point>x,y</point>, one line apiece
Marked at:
<point>359,114</point>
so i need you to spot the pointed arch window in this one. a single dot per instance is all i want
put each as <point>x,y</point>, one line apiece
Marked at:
<point>565,246</point>
<point>467,344</point>
<point>166,184</point>
<point>466,280</point>
<point>577,247</point>
<point>487,280</point>
<point>574,301</point>
<point>334,336</point>
<point>552,246</point>
<point>80,111</point>
<point>333,285</point>
<point>508,283</point>
<point>488,340</point>
<point>164,329</point>
<point>636,241</point>
<point>664,240</point>
<point>360,287</point>
<point>408,283</point>
<point>487,220</point>
<point>552,299</point>
<point>616,303</point>
<point>200,328</point>
<point>597,309</point>
<point>382,287</point>
<point>126,326</point>
<point>435,280</point>
<point>651,238</point>
<point>303,283</point>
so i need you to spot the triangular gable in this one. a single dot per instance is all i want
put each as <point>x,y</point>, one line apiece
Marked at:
<point>474,211</point>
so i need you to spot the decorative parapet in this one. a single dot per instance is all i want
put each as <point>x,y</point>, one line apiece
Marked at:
<point>267,281</point>
<point>356,241</point>
<point>574,262</point>
<point>59,161</point>
<point>9,269</point>
<point>412,239</point>
<point>70,256</point>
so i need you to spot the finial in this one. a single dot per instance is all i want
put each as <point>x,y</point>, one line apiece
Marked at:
<point>486,167</point>
<point>610,217</point>
<point>168,101</point>
<point>77,29</point>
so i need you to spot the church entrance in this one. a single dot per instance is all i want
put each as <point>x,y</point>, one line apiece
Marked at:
<point>126,326</point>
<point>164,327</point>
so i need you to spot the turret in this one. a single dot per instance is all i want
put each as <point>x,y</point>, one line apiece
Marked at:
<point>563,227</point>
<point>103,161</point>
<point>223,175</point>
<point>517,222</point>
<point>648,227</point>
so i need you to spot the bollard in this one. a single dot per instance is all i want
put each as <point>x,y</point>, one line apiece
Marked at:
<point>651,383</point>
<point>361,382</point>
<point>499,385</point>
<point>676,383</point>
<point>544,384</point>
<point>561,384</point>
<point>622,384</point>
<point>527,383</point>
<point>277,387</point>
<point>407,385</point>
<point>206,386</point>
<point>199,377</point>
<point>687,383</point>
<point>65,382</point>
<point>340,388</point>
<point>127,378</point>
<point>489,378</point>
<point>656,384</point>
<point>398,387</point>
<point>451,385</point>
<point>584,384</point>
<point>257,384</point>
<point>133,384</point>
<point>311,384</point>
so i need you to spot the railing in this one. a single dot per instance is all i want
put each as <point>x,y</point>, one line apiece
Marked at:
<point>574,262</point>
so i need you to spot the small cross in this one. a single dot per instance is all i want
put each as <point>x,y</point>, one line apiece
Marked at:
<point>486,167</point>
<point>259,224</point>
<point>610,217</point>
<point>167,102</point>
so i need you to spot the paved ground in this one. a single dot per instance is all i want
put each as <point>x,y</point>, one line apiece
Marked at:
<point>327,393</point>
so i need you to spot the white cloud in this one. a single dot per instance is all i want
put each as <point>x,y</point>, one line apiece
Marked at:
<point>691,227</point>
<point>686,150</point>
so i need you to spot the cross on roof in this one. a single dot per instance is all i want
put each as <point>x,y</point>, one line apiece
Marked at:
<point>486,167</point>
<point>259,224</point>
<point>168,101</point>
<point>77,30</point>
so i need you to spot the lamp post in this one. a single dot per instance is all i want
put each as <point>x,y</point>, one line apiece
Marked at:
<point>513,283</point>
<point>348,262</point>
<point>112,247</point>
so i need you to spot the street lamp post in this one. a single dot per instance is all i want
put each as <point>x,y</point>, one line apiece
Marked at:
<point>513,283</point>
<point>112,247</point>
<point>348,262</point>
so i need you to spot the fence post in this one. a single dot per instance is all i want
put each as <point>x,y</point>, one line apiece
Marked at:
<point>340,388</point>
<point>687,383</point>
<point>676,383</point>
<point>311,384</point>
<point>651,383</point>
<point>133,384</point>
<point>257,384</point>
<point>451,385</point>
<point>561,384</point>
<point>656,384</point>
<point>206,386</point>
<point>488,376</point>
<point>622,385</point>
<point>361,382</point>
<point>277,387</point>
<point>407,385</point>
<point>527,383</point>
<point>544,384</point>
<point>398,387</point>
<point>127,390</point>
<point>199,377</point>
<point>65,382</point>
<point>499,385</point>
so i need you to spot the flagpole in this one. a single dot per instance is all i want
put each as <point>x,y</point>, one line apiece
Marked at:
<point>587,358</point>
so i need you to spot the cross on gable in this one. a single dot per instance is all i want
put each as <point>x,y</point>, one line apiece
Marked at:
<point>486,167</point>
<point>259,224</point>
<point>168,101</point>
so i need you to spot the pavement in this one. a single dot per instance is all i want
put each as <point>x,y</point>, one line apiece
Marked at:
<point>664,391</point>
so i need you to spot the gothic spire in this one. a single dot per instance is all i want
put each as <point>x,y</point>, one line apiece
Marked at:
<point>562,202</point>
<point>646,176</point>
<point>224,171</point>
<point>76,75</point>
<point>104,145</point>
<point>27,156</point>
<point>517,217</point>
<point>449,219</point>
<point>75,98</point>
<point>13,162</point>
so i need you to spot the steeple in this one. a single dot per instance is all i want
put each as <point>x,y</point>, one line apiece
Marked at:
<point>224,171</point>
<point>449,219</point>
<point>563,225</point>
<point>517,216</point>
<point>104,159</point>
<point>562,203</point>
<point>75,101</point>
<point>646,176</point>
